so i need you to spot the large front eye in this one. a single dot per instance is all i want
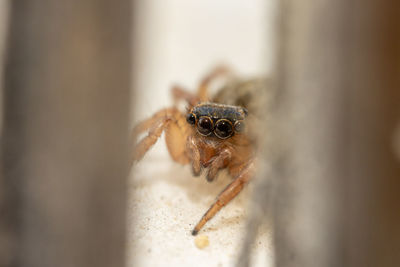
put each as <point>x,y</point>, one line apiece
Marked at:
<point>223,129</point>
<point>191,118</point>
<point>205,126</point>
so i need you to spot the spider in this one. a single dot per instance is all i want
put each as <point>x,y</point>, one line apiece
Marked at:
<point>211,135</point>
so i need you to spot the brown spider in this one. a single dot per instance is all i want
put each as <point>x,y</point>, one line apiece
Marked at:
<point>209,135</point>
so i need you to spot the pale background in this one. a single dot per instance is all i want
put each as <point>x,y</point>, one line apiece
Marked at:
<point>178,41</point>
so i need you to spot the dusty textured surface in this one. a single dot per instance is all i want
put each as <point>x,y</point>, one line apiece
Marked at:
<point>166,203</point>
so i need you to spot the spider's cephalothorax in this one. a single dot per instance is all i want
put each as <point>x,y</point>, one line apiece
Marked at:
<point>221,121</point>
<point>209,136</point>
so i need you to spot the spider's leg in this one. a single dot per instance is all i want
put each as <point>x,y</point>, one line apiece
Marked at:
<point>218,72</point>
<point>147,142</point>
<point>232,190</point>
<point>147,124</point>
<point>155,126</point>
<point>179,93</point>
<point>217,163</point>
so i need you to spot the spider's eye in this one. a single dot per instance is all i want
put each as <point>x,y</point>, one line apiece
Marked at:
<point>246,112</point>
<point>223,129</point>
<point>239,126</point>
<point>191,118</point>
<point>205,126</point>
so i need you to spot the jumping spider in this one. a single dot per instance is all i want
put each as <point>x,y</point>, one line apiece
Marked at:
<point>210,135</point>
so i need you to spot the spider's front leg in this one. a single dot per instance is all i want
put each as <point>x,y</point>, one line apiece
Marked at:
<point>232,190</point>
<point>173,122</point>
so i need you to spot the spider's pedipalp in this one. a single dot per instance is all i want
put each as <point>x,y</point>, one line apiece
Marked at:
<point>218,162</point>
<point>194,155</point>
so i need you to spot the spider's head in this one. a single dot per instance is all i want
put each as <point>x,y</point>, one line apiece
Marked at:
<point>222,121</point>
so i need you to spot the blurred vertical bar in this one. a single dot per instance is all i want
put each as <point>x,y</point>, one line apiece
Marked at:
<point>312,94</point>
<point>64,144</point>
<point>338,74</point>
<point>372,212</point>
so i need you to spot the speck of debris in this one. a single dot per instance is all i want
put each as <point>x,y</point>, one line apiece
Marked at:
<point>201,241</point>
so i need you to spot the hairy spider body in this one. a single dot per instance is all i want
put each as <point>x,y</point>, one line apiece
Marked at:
<point>210,136</point>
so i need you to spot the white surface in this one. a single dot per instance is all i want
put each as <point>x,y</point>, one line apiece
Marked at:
<point>166,203</point>
<point>178,41</point>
